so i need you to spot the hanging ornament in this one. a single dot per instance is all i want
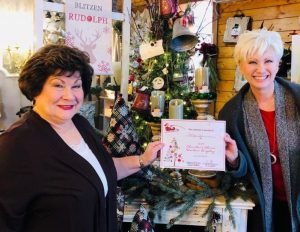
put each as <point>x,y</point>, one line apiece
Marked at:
<point>141,102</point>
<point>183,39</point>
<point>165,71</point>
<point>168,7</point>
<point>158,83</point>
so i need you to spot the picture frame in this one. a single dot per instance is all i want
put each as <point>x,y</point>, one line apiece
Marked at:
<point>235,26</point>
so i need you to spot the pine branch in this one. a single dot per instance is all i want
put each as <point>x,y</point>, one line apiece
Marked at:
<point>230,210</point>
<point>209,213</point>
<point>184,209</point>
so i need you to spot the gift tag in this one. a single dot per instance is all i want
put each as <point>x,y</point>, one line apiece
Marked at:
<point>149,50</point>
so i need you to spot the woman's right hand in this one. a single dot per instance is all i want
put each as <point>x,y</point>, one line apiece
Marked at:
<point>231,150</point>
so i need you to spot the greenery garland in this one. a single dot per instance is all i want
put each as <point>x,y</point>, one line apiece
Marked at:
<point>162,192</point>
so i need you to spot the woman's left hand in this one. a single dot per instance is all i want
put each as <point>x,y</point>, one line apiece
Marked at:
<point>231,150</point>
<point>151,152</point>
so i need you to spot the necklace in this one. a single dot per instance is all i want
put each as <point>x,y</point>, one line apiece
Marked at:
<point>273,157</point>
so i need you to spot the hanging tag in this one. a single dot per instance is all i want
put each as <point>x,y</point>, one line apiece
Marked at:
<point>149,50</point>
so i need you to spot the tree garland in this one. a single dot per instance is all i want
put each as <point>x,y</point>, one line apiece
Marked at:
<point>162,192</point>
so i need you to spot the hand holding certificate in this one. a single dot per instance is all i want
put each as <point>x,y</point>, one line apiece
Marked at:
<point>193,144</point>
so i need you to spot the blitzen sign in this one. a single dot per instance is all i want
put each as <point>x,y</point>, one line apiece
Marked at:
<point>89,28</point>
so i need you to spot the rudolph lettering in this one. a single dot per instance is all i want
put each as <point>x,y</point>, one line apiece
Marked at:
<point>87,18</point>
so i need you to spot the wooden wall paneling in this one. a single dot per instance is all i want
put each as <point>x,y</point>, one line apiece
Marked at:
<point>285,24</point>
<point>226,63</point>
<point>284,11</point>
<point>218,106</point>
<point>226,52</point>
<point>285,35</point>
<point>226,74</point>
<point>253,4</point>
<point>225,86</point>
<point>225,96</point>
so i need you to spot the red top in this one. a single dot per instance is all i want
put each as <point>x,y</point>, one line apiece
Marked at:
<point>278,184</point>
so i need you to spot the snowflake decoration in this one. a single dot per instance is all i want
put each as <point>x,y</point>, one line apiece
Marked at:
<point>132,148</point>
<point>120,198</point>
<point>121,148</point>
<point>69,39</point>
<point>104,67</point>
<point>123,132</point>
<point>113,122</point>
<point>123,111</point>
<point>110,137</point>
<point>106,30</point>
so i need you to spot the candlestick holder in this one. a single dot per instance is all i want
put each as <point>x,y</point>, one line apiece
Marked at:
<point>155,129</point>
<point>201,107</point>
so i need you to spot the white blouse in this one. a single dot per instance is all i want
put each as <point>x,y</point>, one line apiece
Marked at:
<point>84,151</point>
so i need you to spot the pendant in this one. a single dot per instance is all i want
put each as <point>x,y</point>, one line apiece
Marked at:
<point>273,158</point>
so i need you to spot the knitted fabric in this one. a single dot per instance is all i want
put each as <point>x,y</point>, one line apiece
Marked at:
<point>121,138</point>
<point>141,221</point>
<point>258,143</point>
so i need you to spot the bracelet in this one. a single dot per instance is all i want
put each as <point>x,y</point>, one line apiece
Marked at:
<point>142,165</point>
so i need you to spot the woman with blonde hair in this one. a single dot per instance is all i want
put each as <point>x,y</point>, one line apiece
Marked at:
<point>264,124</point>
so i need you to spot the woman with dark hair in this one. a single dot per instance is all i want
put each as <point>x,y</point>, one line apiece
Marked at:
<point>264,122</point>
<point>55,174</point>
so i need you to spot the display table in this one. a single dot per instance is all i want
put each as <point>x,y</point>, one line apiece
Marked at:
<point>194,216</point>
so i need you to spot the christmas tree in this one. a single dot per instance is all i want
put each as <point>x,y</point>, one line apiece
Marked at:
<point>161,66</point>
<point>161,85</point>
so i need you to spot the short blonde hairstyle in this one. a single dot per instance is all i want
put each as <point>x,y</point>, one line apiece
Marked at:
<point>257,41</point>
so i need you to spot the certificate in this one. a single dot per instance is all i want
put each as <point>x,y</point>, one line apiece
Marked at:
<point>193,144</point>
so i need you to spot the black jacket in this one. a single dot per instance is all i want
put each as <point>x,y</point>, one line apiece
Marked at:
<point>46,186</point>
<point>232,113</point>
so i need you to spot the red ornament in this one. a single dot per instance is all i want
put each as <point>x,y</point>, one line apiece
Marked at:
<point>139,60</point>
<point>141,102</point>
<point>131,77</point>
<point>183,21</point>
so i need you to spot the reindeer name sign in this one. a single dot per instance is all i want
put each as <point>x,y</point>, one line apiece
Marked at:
<point>89,28</point>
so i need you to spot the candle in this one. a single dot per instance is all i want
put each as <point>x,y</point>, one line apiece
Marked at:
<point>198,78</point>
<point>176,109</point>
<point>202,78</point>
<point>157,100</point>
<point>205,76</point>
<point>204,89</point>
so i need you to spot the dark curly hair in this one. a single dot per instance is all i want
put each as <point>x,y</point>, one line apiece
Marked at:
<point>54,60</point>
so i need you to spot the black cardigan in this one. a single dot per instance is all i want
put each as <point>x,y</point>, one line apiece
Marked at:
<point>46,186</point>
<point>232,113</point>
